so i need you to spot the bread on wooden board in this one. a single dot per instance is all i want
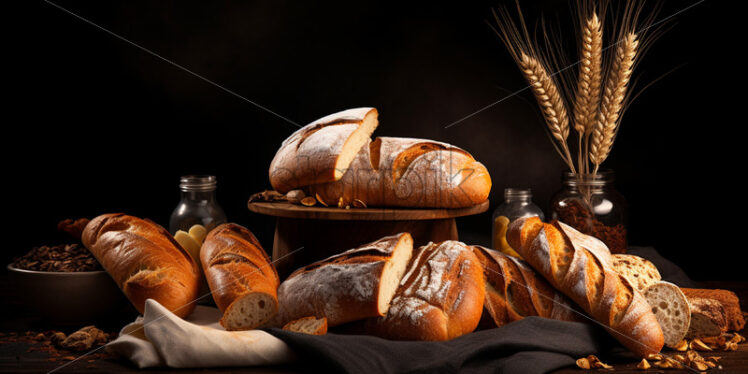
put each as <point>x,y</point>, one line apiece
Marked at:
<point>641,272</point>
<point>407,172</point>
<point>145,261</point>
<point>440,296</point>
<point>514,291</point>
<point>672,310</point>
<point>580,266</point>
<point>729,301</point>
<point>707,318</point>
<point>321,151</point>
<point>356,284</point>
<point>243,281</point>
<point>308,325</point>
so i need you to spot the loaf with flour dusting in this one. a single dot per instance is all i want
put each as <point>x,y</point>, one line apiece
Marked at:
<point>440,296</point>
<point>580,266</point>
<point>242,280</point>
<point>353,285</point>
<point>515,291</point>
<point>145,261</point>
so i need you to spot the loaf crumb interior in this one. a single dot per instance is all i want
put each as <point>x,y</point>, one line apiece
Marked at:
<point>393,272</point>
<point>249,311</point>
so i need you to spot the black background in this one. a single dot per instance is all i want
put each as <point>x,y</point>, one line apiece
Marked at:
<point>96,125</point>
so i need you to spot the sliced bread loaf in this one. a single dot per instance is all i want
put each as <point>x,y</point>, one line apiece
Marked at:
<point>672,310</point>
<point>707,318</point>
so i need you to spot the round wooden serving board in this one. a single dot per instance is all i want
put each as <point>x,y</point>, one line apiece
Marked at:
<point>307,234</point>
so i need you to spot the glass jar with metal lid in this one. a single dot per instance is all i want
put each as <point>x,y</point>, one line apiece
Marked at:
<point>198,204</point>
<point>517,204</point>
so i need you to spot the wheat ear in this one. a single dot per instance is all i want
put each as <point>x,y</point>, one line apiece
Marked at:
<point>549,98</point>
<point>589,84</point>
<point>613,99</point>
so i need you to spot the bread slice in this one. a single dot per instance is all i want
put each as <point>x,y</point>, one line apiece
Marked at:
<point>640,272</point>
<point>356,284</point>
<point>707,318</point>
<point>672,310</point>
<point>308,325</point>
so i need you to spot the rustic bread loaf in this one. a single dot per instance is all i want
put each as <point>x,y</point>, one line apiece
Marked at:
<point>514,291</point>
<point>729,301</point>
<point>241,277</point>
<point>672,310</point>
<point>439,298</point>
<point>356,284</point>
<point>145,261</point>
<point>580,266</point>
<point>640,272</point>
<point>321,151</point>
<point>707,318</point>
<point>308,325</point>
<point>409,173</point>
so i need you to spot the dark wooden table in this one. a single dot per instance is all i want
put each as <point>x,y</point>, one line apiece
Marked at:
<point>15,357</point>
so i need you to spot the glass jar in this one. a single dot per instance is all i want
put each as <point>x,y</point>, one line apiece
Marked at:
<point>593,206</point>
<point>198,205</point>
<point>517,204</point>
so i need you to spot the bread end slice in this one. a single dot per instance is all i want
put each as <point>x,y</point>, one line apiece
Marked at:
<point>707,318</point>
<point>672,310</point>
<point>393,272</point>
<point>249,311</point>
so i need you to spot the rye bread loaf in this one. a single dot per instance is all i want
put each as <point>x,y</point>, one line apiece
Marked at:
<point>321,151</point>
<point>408,172</point>
<point>242,280</point>
<point>580,266</point>
<point>145,261</point>
<point>353,285</point>
<point>440,296</point>
<point>515,291</point>
<point>640,272</point>
<point>707,318</point>
<point>729,301</point>
<point>672,310</point>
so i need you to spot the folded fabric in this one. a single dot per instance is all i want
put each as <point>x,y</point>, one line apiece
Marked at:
<point>160,338</point>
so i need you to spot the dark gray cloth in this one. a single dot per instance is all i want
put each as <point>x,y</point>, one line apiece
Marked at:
<point>532,345</point>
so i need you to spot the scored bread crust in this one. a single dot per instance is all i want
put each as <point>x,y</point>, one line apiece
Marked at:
<point>321,151</point>
<point>356,284</point>
<point>145,261</point>
<point>409,172</point>
<point>514,291</point>
<point>440,297</point>
<point>243,282</point>
<point>580,266</point>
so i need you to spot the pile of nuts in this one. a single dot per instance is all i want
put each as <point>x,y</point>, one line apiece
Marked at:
<point>299,197</point>
<point>61,347</point>
<point>66,258</point>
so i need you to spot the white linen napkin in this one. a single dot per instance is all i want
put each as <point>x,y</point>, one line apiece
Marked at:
<point>160,338</point>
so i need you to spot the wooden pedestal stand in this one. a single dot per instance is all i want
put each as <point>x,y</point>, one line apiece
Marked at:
<point>307,234</point>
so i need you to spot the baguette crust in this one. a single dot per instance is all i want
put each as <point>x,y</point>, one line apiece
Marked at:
<point>580,266</point>
<point>408,172</point>
<point>439,298</point>
<point>236,266</point>
<point>145,261</point>
<point>514,291</point>
<point>346,287</point>
<point>313,153</point>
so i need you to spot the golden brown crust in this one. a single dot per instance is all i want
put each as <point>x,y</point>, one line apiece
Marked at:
<point>236,265</point>
<point>145,261</point>
<point>580,266</point>
<point>729,301</point>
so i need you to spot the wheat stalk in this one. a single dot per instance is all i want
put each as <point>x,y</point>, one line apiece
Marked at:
<point>613,99</point>
<point>549,98</point>
<point>589,84</point>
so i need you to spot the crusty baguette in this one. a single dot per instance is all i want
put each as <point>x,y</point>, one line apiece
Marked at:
<point>356,284</point>
<point>708,318</point>
<point>580,266</point>
<point>515,291</point>
<point>729,301</point>
<point>439,298</point>
<point>241,277</point>
<point>145,261</point>
<point>321,151</point>
<point>308,325</point>
<point>409,172</point>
